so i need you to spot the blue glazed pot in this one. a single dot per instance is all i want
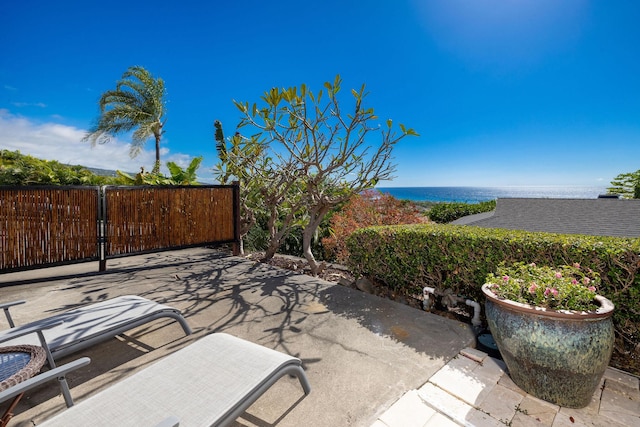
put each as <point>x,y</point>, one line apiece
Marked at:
<point>557,356</point>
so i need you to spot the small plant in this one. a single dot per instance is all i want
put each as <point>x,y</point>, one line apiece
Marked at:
<point>523,411</point>
<point>566,287</point>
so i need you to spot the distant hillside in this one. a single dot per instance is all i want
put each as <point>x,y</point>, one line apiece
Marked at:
<point>23,169</point>
<point>100,172</point>
<point>105,172</point>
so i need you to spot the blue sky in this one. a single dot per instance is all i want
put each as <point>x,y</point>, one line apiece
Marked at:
<point>502,92</point>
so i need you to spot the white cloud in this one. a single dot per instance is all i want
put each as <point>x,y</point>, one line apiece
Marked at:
<point>54,141</point>
<point>29,104</point>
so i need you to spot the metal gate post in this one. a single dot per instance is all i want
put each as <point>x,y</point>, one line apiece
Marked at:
<point>102,219</point>
<point>236,218</point>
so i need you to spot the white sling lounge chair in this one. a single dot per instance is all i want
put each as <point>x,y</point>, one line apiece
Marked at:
<point>208,383</point>
<point>18,378</point>
<point>86,326</point>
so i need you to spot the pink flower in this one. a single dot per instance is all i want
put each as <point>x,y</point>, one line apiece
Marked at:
<point>576,264</point>
<point>552,291</point>
<point>574,282</point>
<point>592,288</point>
<point>558,274</point>
<point>505,278</point>
<point>532,288</point>
<point>586,280</point>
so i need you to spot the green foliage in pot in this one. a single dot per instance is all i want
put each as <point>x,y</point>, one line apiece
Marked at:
<point>566,287</point>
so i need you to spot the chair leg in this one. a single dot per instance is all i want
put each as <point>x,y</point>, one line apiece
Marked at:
<point>64,386</point>
<point>8,414</point>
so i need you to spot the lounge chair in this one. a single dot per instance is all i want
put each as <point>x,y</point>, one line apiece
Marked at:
<point>24,377</point>
<point>208,383</point>
<point>86,326</point>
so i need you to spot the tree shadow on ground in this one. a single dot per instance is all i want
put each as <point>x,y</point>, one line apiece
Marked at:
<point>320,322</point>
<point>227,293</point>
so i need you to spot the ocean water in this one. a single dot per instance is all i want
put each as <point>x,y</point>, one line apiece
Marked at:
<point>481,194</point>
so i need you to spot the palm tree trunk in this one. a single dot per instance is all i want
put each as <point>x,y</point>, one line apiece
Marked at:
<point>156,166</point>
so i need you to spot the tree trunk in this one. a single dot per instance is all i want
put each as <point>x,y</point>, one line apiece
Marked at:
<point>307,238</point>
<point>156,166</point>
<point>274,242</point>
<point>270,252</point>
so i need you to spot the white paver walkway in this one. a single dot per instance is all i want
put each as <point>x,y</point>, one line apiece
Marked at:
<point>474,389</point>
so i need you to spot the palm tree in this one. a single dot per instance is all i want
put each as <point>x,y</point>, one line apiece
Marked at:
<point>138,102</point>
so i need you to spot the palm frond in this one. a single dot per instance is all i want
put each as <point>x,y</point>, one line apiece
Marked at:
<point>194,165</point>
<point>138,102</point>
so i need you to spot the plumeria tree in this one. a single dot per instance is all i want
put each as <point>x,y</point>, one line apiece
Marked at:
<point>314,156</point>
<point>266,188</point>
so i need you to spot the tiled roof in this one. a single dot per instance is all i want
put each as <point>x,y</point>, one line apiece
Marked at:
<point>596,217</point>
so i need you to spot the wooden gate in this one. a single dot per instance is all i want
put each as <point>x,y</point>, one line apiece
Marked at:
<point>54,225</point>
<point>47,226</point>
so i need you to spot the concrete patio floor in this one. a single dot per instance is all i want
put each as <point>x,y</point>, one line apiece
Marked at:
<point>370,361</point>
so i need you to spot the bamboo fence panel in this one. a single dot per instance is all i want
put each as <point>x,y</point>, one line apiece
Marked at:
<point>51,225</point>
<point>143,219</point>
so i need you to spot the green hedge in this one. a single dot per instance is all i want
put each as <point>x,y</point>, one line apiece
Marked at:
<point>443,213</point>
<point>407,258</point>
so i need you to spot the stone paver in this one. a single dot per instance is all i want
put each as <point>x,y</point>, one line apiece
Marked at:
<point>535,410</point>
<point>480,419</point>
<point>439,420</point>
<point>461,384</point>
<point>501,403</point>
<point>490,369</point>
<point>622,381</point>
<point>474,390</point>
<point>620,407</point>
<point>409,411</point>
<point>571,418</point>
<point>446,403</point>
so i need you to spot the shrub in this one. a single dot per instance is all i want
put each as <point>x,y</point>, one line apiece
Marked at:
<point>446,212</point>
<point>407,258</point>
<point>364,210</point>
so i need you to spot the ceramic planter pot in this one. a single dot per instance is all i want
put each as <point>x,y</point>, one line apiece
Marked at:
<point>557,356</point>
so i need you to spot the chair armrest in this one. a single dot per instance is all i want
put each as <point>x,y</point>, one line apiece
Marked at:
<point>5,306</point>
<point>36,329</point>
<point>12,333</point>
<point>11,304</point>
<point>44,377</point>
